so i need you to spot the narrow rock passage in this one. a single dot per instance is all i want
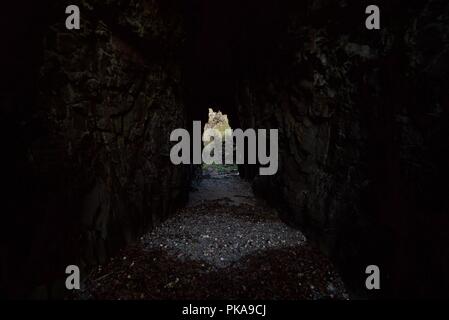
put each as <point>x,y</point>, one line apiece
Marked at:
<point>223,245</point>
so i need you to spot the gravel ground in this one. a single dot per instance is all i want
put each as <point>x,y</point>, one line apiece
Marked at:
<point>221,238</point>
<point>223,245</point>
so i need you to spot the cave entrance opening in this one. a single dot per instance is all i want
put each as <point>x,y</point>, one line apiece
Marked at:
<point>218,182</point>
<point>217,121</point>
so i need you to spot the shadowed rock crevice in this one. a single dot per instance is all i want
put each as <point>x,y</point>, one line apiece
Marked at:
<point>363,123</point>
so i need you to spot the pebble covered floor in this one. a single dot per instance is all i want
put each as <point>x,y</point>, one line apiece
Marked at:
<point>223,245</point>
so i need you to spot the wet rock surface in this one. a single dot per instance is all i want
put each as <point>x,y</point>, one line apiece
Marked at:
<point>219,249</point>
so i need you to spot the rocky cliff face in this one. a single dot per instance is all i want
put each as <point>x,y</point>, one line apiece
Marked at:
<point>363,119</point>
<point>91,169</point>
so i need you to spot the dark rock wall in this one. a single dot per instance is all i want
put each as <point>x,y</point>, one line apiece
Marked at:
<point>364,126</point>
<point>91,114</point>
